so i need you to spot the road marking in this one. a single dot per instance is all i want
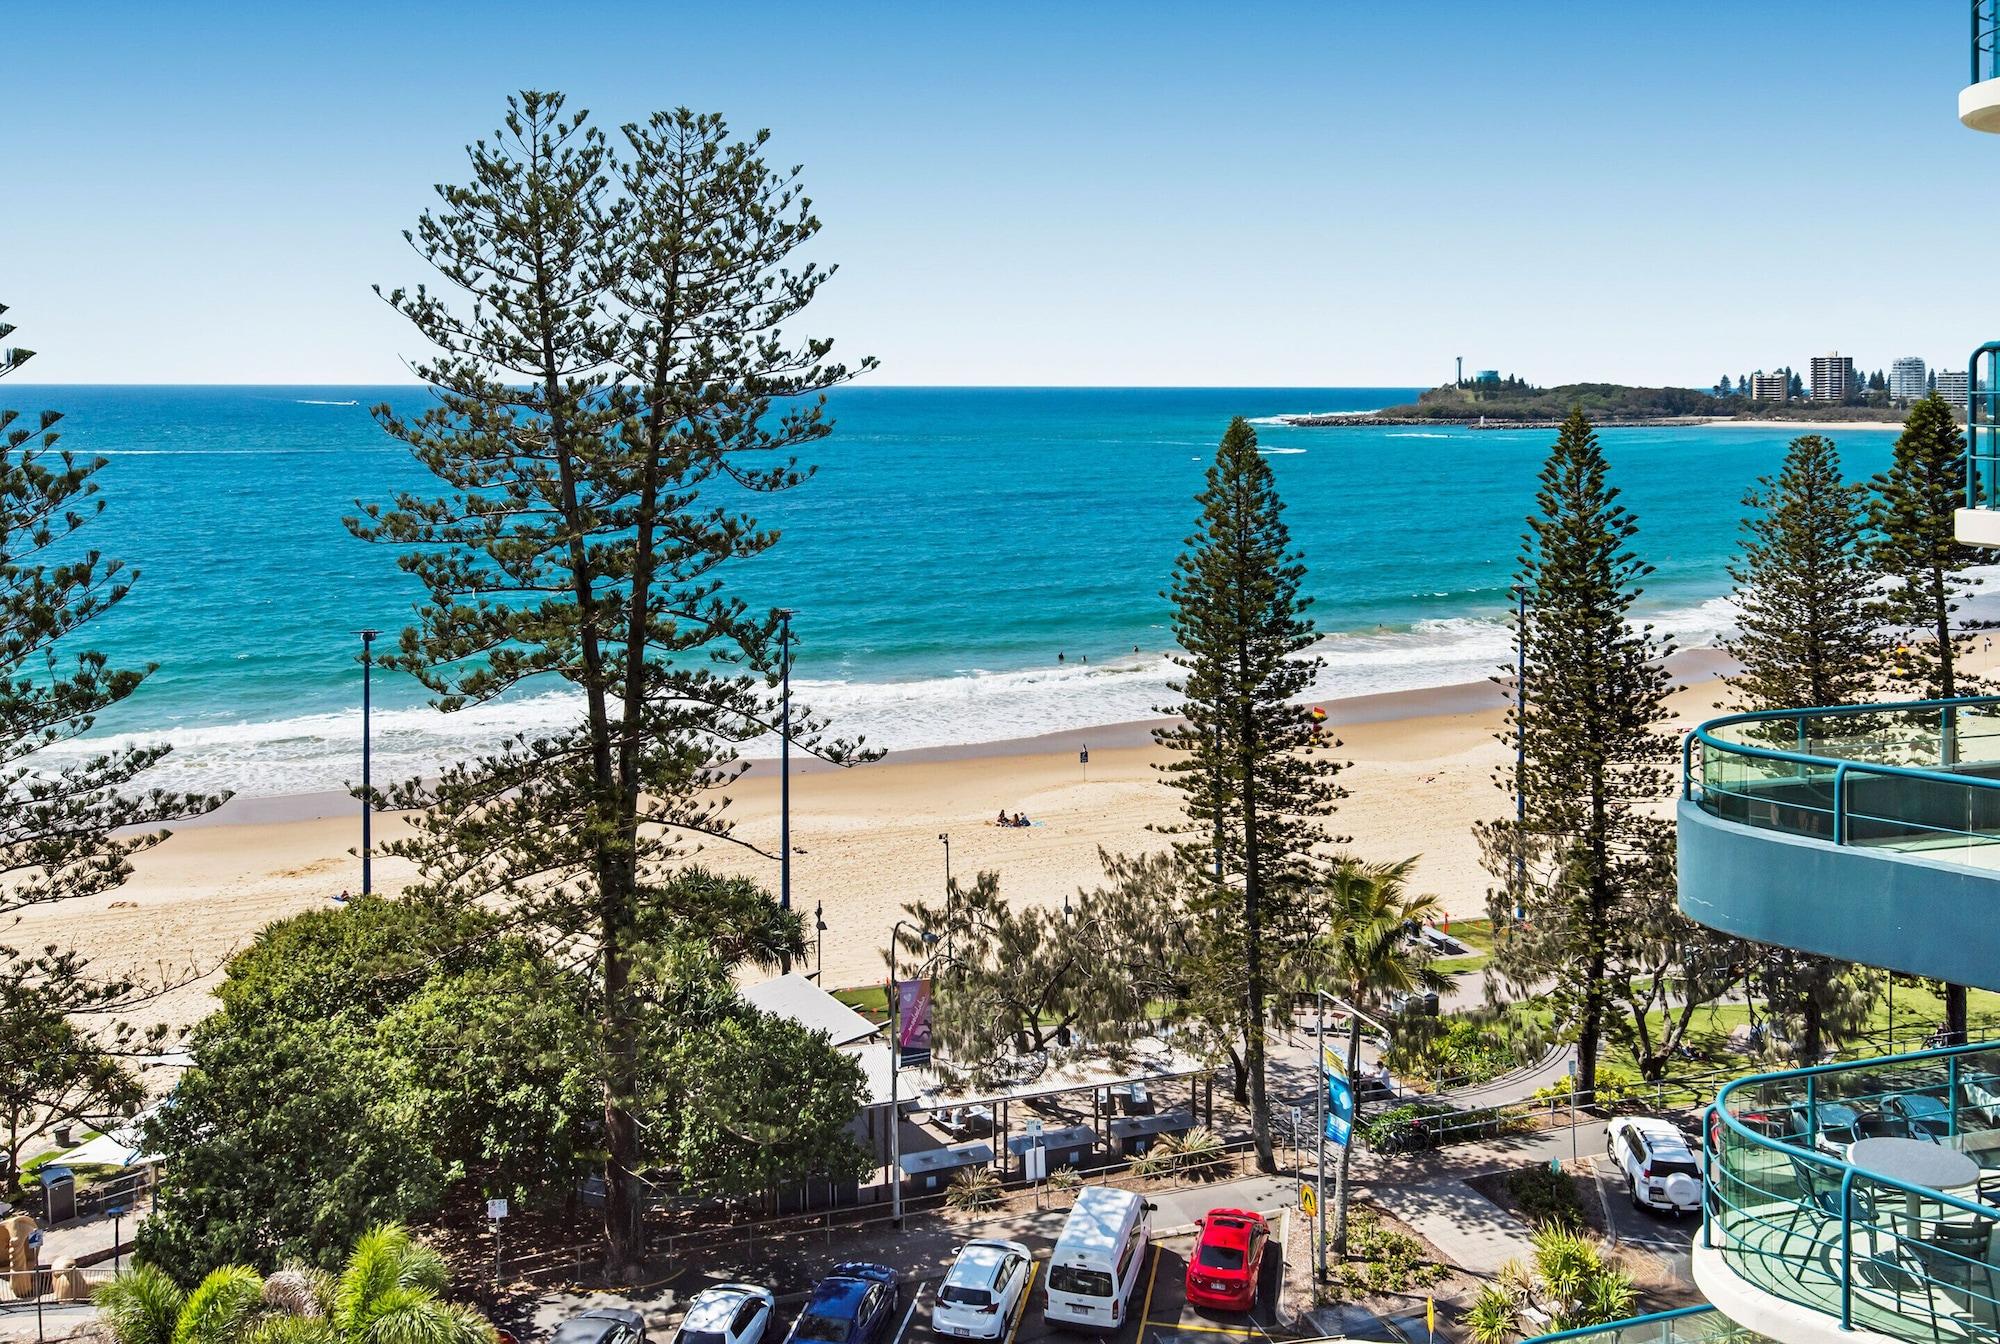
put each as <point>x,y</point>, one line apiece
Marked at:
<point>906,1317</point>
<point>1237,1331</point>
<point>1027,1289</point>
<point>1152,1276</point>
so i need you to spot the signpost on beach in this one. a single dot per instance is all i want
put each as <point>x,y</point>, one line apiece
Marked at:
<point>1083,759</point>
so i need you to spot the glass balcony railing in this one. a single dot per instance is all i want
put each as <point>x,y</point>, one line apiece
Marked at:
<point>1920,777</point>
<point>1866,1191</point>
<point>1985,40</point>
<point>1687,1325</point>
<point>1982,424</point>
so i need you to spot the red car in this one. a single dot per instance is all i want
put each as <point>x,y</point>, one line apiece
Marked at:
<point>1228,1252</point>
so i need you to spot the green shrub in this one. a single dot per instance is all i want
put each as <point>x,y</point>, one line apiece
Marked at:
<point>1381,1260</point>
<point>973,1190</point>
<point>1546,1197</point>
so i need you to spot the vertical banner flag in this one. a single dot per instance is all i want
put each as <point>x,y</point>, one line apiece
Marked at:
<point>1339,1107</point>
<point>914,1011</point>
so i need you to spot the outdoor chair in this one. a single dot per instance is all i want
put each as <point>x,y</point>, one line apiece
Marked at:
<point>1957,1254</point>
<point>1886,1270</point>
<point>1819,1193</point>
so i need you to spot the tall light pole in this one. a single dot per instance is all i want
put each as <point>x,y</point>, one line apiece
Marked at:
<point>367,800</point>
<point>945,838</point>
<point>819,943</point>
<point>785,766</point>
<point>895,1072</point>
<point>1520,749</point>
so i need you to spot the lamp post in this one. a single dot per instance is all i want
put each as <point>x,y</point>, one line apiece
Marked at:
<point>367,800</point>
<point>819,943</point>
<point>1322,998</point>
<point>944,837</point>
<point>785,767</point>
<point>1520,748</point>
<point>895,1072</point>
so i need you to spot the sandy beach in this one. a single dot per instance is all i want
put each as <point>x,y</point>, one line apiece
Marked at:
<point>866,838</point>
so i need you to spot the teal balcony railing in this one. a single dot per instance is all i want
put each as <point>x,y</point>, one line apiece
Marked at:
<point>1922,776</point>
<point>1982,421</point>
<point>1802,1204</point>
<point>1685,1325</point>
<point>1985,40</point>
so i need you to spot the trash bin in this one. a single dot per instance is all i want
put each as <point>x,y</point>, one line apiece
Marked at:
<point>58,1194</point>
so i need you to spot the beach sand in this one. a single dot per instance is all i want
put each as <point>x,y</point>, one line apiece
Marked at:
<point>867,842</point>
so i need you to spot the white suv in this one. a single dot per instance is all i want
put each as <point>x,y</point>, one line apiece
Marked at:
<point>983,1291</point>
<point>1660,1170</point>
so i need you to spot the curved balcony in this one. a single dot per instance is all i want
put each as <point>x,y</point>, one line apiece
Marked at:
<point>1683,1325</point>
<point>1810,1232</point>
<point>1979,101</point>
<point>1869,833</point>
<point>1978,522</point>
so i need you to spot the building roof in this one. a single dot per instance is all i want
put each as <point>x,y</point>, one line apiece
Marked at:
<point>797,998</point>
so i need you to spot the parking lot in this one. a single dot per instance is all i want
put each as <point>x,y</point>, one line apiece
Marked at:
<point>1160,1312</point>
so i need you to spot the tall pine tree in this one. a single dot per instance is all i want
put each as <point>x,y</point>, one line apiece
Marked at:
<point>1255,779</point>
<point>1595,761</point>
<point>1917,548</point>
<point>616,378</point>
<point>1808,636</point>
<point>68,829</point>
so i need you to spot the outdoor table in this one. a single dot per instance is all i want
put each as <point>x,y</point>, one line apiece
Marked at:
<point>1914,1162</point>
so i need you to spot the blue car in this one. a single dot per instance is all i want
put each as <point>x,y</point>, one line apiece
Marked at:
<point>856,1304</point>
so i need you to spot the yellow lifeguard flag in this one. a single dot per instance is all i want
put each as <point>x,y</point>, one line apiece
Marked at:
<point>1431,1315</point>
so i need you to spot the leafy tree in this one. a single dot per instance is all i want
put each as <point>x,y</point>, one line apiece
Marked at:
<point>1596,763</point>
<point>1809,637</point>
<point>1254,783</point>
<point>1016,987</point>
<point>1724,387</point>
<point>616,376</point>
<point>66,830</point>
<point>390,1288</point>
<point>365,1060</point>
<point>1918,549</point>
<point>1369,948</point>
<point>1795,387</point>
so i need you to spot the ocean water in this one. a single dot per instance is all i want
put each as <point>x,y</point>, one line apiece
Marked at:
<point>952,544</point>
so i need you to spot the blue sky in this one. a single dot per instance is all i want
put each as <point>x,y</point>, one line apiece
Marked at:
<point>1244,194</point>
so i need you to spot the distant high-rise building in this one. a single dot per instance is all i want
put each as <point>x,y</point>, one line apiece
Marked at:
<point>1832,377</point>
<point>1906,378</point>
<point>1767,387</point>
<point>1951,385</point>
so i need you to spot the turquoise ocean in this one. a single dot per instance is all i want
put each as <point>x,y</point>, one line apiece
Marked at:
<point>952,544</point>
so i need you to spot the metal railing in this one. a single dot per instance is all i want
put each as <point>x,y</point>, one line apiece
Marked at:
<point>1683,1325</point>
<point>1793,1216</point>
<point>1921,775</point>
<point>1985,41</point>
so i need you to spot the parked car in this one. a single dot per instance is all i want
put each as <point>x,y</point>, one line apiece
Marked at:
<point>1228,1254</point>
<point>728,1313</point>
<point>1661,1171</point>
<point>853,1305</point>
<point>983,1289</point>
<point>602,1325</point>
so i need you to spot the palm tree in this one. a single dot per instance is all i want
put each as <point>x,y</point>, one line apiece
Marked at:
<point>1367,949</point>
<point>389,1291</point>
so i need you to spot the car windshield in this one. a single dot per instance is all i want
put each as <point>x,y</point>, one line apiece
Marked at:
<point>965,1295</point>
<point>1079,1282</point>
<point>687,1336</point>
<point>826,1329</point>
<point>1219,1257</point>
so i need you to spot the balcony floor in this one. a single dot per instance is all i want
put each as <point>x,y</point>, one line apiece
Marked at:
<point>1808,1274</point>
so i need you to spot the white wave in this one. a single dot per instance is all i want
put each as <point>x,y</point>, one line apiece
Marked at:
<point>1418,434</point>
<point>309,401</point>
<point>321,751</point>
<point>1280,452</point>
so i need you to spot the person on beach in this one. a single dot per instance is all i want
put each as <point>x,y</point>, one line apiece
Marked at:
<point>1003,818</point>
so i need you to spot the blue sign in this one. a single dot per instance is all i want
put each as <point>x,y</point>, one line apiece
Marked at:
<point>1339,1108</point>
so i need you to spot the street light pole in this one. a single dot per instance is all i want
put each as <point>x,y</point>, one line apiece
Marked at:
<point>1319,1115</point>
<point>945,836</point>
<point>785,767</point>
<point>1520,749</point>
<point>367,798</point>
<point>819,943</point>
<point>895,1071</point>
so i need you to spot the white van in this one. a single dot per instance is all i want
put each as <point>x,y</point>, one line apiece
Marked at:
<point>1098,1259</point>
